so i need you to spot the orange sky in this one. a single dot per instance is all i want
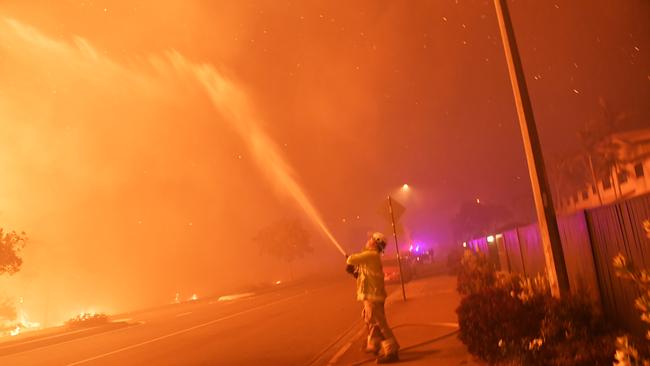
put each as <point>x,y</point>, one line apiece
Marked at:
<point>133,186</point>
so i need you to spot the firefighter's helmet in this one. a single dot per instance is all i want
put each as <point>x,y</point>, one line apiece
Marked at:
<point>380,240</point>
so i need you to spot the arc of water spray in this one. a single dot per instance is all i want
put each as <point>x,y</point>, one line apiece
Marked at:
<point>233,105</point>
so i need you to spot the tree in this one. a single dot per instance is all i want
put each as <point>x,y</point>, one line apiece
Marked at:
<point>479,219</point>
<point>10,245</point>
<point>569,174</point>
<point>602,155</point>
<point>286,240</point>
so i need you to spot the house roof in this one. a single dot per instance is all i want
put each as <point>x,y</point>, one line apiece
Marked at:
<point>634,145</point>
<point>633,137</point>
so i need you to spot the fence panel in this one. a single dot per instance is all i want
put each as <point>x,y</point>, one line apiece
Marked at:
<point>515,255</point>
<point>531,245</point>
<point>614,229</point>
<point>590,240</point>
<point>479,244</point>
<point>578,255</point>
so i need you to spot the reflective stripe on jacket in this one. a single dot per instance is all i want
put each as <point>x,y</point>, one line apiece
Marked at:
<point>370,283</point>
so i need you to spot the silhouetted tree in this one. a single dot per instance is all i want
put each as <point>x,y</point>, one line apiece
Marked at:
<point>601,154</point>
<point>477,219</point>
<point>7,315</point>
<point>568,174</point>
<point>286,240</point>
<point>10,245</point>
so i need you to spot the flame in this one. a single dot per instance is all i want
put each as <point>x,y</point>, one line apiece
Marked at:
<point>23,322</point>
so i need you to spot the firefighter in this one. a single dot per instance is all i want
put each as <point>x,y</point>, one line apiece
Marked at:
<point>367,269</point>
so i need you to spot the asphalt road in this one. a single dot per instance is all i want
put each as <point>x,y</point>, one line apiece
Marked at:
<point>289,326</point>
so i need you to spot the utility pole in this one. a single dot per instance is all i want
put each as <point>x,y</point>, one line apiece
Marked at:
<point>550,234</point>
<point>399,259</point>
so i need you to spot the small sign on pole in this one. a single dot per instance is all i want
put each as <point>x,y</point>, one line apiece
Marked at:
<point>399,213</point>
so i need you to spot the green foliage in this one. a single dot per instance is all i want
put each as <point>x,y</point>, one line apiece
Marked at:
<point>10,245</point>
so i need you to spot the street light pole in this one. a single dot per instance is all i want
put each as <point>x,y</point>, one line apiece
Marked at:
<point>550,234</point>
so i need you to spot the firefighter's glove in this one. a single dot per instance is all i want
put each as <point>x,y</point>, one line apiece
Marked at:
<point>351,270</point>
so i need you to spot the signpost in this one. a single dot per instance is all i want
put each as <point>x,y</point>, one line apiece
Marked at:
<point>398,210</point>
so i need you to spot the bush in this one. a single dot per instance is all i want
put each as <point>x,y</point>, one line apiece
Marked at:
<point>592,351</point>
<point>629,350</point>
<point>84,320</point>
<point>507,318</point>
<point>453,260</point>
<point>574,332</point>
<point>475,274</point>
<point>496,326</point>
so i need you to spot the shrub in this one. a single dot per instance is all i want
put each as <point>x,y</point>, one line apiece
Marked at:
<point>87,320</point>
<point>475,274</point>
<point>631,351</point>
<point>508,318</point>
<point>591,351</point>
<point>453,261</point>
<point>495,326</point>
<point>573,332</point>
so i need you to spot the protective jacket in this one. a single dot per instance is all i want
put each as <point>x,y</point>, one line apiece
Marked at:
<point>370,282</point>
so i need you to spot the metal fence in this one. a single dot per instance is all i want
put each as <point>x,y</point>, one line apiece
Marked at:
<point>614,229</point>
<point>590,240</point>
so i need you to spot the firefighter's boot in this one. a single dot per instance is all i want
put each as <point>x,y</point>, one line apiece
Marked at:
<point>388,354</point>
<point>372,345</point>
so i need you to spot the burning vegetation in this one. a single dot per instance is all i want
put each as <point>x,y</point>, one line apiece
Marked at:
<point>87,320</point>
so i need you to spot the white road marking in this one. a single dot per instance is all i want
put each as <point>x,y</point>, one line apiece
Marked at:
<point>123,320</point>
<point>46,338</point>
<point>181,331</point>
<point>235,297</point>
<point>76,339</point>
<point>344,349</point>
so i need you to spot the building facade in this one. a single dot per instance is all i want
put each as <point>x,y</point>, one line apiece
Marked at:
<point>629,174</point>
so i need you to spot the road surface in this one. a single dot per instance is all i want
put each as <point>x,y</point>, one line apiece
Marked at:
<point>290,326</point>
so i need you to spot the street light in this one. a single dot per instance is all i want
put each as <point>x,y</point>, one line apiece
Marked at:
<point>405,187</point>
